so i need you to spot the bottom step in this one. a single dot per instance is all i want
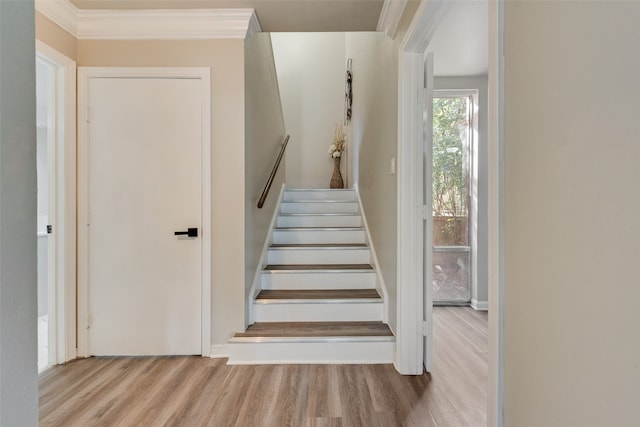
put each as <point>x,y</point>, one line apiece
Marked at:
<point>313,342</point>
<point>362,351</point>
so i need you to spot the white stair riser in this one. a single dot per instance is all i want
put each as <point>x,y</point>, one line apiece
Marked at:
<point>318,236</point>
<point>319,207</point>
<point>322,280</point>
<point>319,256</point>
<point>319,221</point>
<point>318,312</point>
<point>295,195</point>
<point>314,352</point>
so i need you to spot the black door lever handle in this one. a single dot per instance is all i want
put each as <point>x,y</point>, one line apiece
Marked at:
<point>191,232</point>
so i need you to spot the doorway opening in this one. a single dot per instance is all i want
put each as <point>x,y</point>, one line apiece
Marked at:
<point>454,195</point>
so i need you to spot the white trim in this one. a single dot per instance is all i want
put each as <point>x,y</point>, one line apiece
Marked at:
<point>409,259</point>
<point>204,74</point>
<point>63,296</point>
<point>424,24</point>
<point>150,24</point>
<point>219,351</point>
<point>480,305</point>
<point>254,25</point>
<point>349,351</point>
<point>255,285</point>
<point>381,285</point>
<point>390,16</point>
<point>495,196</point>
<point>455,93</point>
<point>84,75</point>
<point>425,184</point>
<point>61,12</point>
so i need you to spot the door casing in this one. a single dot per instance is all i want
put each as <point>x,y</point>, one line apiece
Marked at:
<point>410,208</point>
<point>62,200</point>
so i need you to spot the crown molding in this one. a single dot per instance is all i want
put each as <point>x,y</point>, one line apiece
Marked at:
<point>62,12</point>
<point>151,24</point>
<point>390,16</point>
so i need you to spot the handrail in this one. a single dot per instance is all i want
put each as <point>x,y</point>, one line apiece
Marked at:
<point>267,187</point>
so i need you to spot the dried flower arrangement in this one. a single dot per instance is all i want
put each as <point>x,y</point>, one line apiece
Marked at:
<point>339,142</point>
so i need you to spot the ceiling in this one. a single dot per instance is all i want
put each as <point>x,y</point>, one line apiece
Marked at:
<point>461,41</point>
<point>274,15</point>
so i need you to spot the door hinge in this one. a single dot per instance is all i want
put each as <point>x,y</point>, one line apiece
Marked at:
<point>49,229</point>
<point>423,328</point>
<point>423,212</point>
<point>424,95</point>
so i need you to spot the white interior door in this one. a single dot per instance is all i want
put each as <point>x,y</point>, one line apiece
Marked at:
<point>145,145</point>
<point>428,202</point>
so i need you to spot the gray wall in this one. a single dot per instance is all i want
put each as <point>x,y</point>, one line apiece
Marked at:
<point>18,333</point>
<point>479,291</point>
<point>571,210</point>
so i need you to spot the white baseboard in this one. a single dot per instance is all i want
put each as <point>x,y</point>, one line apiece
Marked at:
<point>381,285</point>
<point>219,351</point>
<point>256,284</point>
<point>480,305</point>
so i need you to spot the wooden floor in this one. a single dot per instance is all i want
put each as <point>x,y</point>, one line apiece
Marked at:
<point>195,391</point>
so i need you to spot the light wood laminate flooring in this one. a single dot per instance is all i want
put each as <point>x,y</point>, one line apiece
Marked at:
<point>196,391</point>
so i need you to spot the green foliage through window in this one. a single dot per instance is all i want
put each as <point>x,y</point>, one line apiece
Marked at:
<point>450,156</point>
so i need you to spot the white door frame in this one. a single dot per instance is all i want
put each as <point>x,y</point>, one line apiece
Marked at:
<point>84,75</point>
<point>411,204</point>
<point>62,197</point>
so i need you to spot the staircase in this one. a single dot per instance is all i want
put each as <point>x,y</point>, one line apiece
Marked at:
<point>319,299</point>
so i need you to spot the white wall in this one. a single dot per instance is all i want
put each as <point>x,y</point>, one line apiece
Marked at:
<point>479,291</point>
<point>373,134</point>
<point>18,333</point>
<point>571,210</point>
<point>264,134</point>
<point>311,72</point>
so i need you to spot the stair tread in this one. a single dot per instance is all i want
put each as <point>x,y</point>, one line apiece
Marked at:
<point>319,201</point>
<point>318,245</point>
<point>305,214</point>
<point>284,267</point>
<point>332,228</point>
<point>317,294</point>
<point>335,190</point>
<point>316,329</point>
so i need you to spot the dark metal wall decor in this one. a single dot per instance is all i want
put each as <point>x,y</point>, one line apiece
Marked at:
<point>348,94</point>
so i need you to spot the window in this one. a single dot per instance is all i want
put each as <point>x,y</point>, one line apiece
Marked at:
<point>453,142</point>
